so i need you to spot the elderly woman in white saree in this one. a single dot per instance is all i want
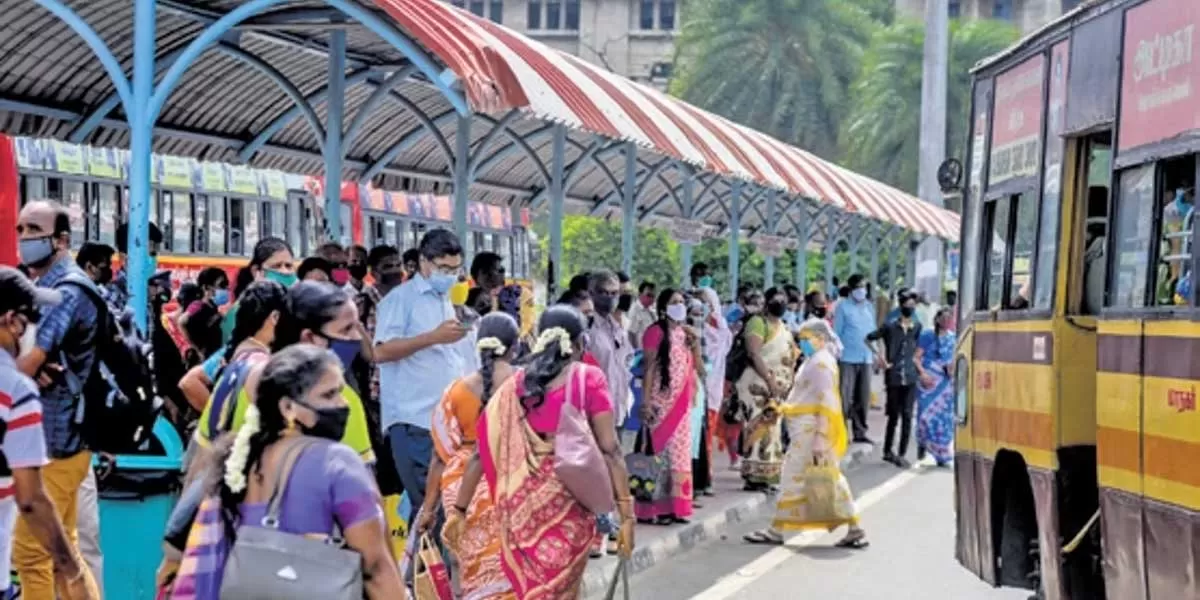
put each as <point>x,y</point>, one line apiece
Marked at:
<point>814,494</point>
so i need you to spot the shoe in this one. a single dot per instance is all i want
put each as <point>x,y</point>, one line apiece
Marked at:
<point>901,462</point>
<point>920,453</point>
<point>864,440</point>
<point>888,457</point>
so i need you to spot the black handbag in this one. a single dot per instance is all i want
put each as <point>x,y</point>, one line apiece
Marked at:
<point>649,474</point>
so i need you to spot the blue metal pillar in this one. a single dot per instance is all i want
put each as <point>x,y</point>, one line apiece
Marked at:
<point>910,267</point>
<point>735,231</point>
<point>772,219</point>
<point>462,177</point>
<point>141,129</point>
<point>855,241</point>
<point>557,206</point>
<point>629,208</point>
<point>689,212</point>
<point>873,231</point>
<point>334,113</point>
<point>894,260</point>
<point>831,241</point>
<point>801,266</point>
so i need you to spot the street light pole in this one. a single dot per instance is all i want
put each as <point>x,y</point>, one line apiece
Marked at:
<point>930,253</point>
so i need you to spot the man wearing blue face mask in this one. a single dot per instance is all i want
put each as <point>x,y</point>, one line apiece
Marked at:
<point>421,348</point>
<point>853,320</point>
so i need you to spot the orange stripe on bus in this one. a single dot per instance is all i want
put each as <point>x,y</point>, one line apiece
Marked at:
<point>1118,448</point>
<point>1166,458</point>
<point>1020,427</point>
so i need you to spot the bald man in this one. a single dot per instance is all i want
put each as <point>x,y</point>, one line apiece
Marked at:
<point>60,361</point>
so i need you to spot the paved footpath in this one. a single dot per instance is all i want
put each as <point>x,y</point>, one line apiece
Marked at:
<point>909,517</point>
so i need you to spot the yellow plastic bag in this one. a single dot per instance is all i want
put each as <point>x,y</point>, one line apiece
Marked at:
<point>395,507</point>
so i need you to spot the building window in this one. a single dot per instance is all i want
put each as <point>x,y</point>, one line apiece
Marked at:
<point>955,9</point>
<point>1069,5</point>
<point>476,7</point>
<point>488,9</point>
<point>666,15</point>
<point>496,11</point>
<point>552,15</point>
<point>1003,9</point>
<point>646,17</point>
<point>657,14</point>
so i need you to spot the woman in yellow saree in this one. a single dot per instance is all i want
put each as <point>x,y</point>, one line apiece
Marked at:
<point>455,432</point>
<point>814,494</point>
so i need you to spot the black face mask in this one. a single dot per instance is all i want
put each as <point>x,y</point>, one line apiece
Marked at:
<point>603,303</point>
<point>819,312</point>
<point>104,275</point>
<point>331,422</point>
<point>776,308</point>
<point>358,271</point>
<point>625,302</point>
<point>907,311</point>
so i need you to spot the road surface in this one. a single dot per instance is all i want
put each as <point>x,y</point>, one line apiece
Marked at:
<point>909,520</point>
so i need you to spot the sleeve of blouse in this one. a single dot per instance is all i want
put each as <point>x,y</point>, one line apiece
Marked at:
<point>355,498</point>
<point>653,337</point>
<point>598,400</point>
<point>757,326</point>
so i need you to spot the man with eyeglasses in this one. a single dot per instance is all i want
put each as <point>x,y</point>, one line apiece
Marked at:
<point>421,348</point>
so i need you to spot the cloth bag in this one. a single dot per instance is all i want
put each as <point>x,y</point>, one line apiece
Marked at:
<point>431,580</point>
<point>268,563</point>
<point>825,495</point>
<point>578,462</point>
<point>649,474</point>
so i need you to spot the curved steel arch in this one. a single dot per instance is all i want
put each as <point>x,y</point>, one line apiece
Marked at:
<point>250,148</point>
<point>404,142</point>
<point>377,95</point>
<point>280,80</point>
<point>504,151</point>
<point>487,140</point>
<point>254,7</point>
<point>110,63</point>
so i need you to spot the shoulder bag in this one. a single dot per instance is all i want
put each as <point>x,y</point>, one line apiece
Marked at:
<point>578,462</point>
<point>266,562</point>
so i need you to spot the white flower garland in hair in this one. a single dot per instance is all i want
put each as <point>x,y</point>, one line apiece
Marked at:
<point>554,334</point>
<point>491,343</point>
<point>235,465</point>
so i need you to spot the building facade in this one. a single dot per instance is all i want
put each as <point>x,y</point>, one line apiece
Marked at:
<point>1027,15</point>
<point>633,38</point>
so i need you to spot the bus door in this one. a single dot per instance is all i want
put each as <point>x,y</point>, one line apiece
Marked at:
<point>305,225</point>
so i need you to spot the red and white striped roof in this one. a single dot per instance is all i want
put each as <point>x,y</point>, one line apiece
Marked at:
<point>501,70</point>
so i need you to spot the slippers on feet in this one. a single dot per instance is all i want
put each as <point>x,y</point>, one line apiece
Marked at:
<point>764,538</point>
<point>853,543</point>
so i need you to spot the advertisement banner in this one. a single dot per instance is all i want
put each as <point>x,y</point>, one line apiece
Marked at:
<point>31,153</point>
<point>176,172</point>
<point>103,162</point>
<point>274,184</point>
<point>687,231</point>
<point>68,158</point>
<point>213,178</point>
<point>243,180</point>
<point>1160,72</point>
<point>773,245</point>
<point>1017,128</point>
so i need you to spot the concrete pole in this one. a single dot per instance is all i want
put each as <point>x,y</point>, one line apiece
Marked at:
<point>333,150</point>
<point>629,208</point>
<point>557,200</point>
<point>929,255</point>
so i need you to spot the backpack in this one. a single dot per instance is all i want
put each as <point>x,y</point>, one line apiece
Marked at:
<point>119,403</point>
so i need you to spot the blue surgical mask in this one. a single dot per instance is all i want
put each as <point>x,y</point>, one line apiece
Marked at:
<point>441,282</point>
<point>705,282</point>
<point>287,280</point>
<point>346,350</point>
<point>152,264</point>
<point>806,346</point>
<point>1181,203</point>
<point>221,297</point>
<point>35,251</point>
<point>859,294</point>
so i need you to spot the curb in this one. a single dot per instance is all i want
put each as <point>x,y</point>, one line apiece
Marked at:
<point>599,573</point>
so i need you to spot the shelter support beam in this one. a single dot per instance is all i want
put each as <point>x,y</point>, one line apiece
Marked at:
<point>335,111</point>
<point>735,230</point>
<point>772,220</point>
<point>141,138</point>
<point>804,229</point>
<point>629,208</point>
<point>685,250</point>
<point>462,177</point>
<point>557,205</point>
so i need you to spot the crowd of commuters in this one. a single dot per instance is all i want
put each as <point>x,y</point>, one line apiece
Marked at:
<point>368,374</point>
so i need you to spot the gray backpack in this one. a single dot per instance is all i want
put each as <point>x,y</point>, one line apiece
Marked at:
<point>268,563</point>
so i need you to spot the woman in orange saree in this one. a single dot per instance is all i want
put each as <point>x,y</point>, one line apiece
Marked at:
<point>545,534</point>
<point>455,425</point>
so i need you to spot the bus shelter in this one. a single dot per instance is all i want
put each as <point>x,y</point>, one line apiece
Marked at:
<point>417,94</point>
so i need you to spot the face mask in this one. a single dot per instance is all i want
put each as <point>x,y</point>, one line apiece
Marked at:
<point>441,282</point>
<point>806,346</point>
<point>221,297</point>
<point>625,302</point>
<point>819,312</point>
<point>331,422</point>
<point>35,252</point>
<point>776,308</point>
<point>391,278</point>
<point>646,300</point>
<point>28,341</point>
<point>346,350</point>
<point>907,311</point>
<point>859,294</point>
<point>287,280</point>
<point>152,264</point>
<point>677,312</point>
<point>358,271</point>
<point>705,282</point>
<point>340,276</point>
<point>603,303</point>
<point>1181,203</point>
<point>104,276</point>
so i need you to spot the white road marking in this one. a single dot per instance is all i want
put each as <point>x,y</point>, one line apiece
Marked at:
<point>728,586</point>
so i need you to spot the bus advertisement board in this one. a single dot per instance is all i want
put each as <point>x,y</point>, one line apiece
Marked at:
<point>1017,122</point>
<point>1160,72</point>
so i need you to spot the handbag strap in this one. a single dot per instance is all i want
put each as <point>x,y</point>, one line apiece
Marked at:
<point>283,471</point>
<point>621,575</point>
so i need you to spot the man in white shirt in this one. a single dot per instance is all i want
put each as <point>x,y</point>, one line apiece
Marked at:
<point>642,316</point>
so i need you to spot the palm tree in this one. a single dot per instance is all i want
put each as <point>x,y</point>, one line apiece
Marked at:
<point>881,137</point>
<point>783,67</point>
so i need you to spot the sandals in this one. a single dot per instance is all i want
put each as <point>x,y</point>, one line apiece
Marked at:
<point>854,541</point>
<point>764,537</point>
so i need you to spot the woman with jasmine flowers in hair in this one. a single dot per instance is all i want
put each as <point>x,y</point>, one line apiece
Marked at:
<point>545,533</point>
<point>455,431</point>
<point>298,406</point>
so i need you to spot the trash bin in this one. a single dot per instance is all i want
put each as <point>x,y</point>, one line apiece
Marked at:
<point>136,497</point>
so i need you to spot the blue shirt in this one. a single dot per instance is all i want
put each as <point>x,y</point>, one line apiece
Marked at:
<point>67,334</point>
<point>411,387</point>
<point>852,322</point>
<point>735,314</point>
<point>213,363</point>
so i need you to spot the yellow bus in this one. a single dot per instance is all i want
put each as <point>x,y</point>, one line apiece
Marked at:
<point>1078,439</point>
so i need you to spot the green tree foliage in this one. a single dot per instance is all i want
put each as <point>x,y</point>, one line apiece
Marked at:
<point>783,67</point>
<point>881,137</point>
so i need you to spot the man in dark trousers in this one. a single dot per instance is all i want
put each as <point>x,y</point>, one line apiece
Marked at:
<point>898,357</point>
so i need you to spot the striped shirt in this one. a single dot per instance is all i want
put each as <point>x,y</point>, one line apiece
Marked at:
<point>22,446</point>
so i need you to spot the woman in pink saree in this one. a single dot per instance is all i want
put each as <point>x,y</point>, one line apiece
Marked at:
<point>545,533</point>
<point>671,353</point>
